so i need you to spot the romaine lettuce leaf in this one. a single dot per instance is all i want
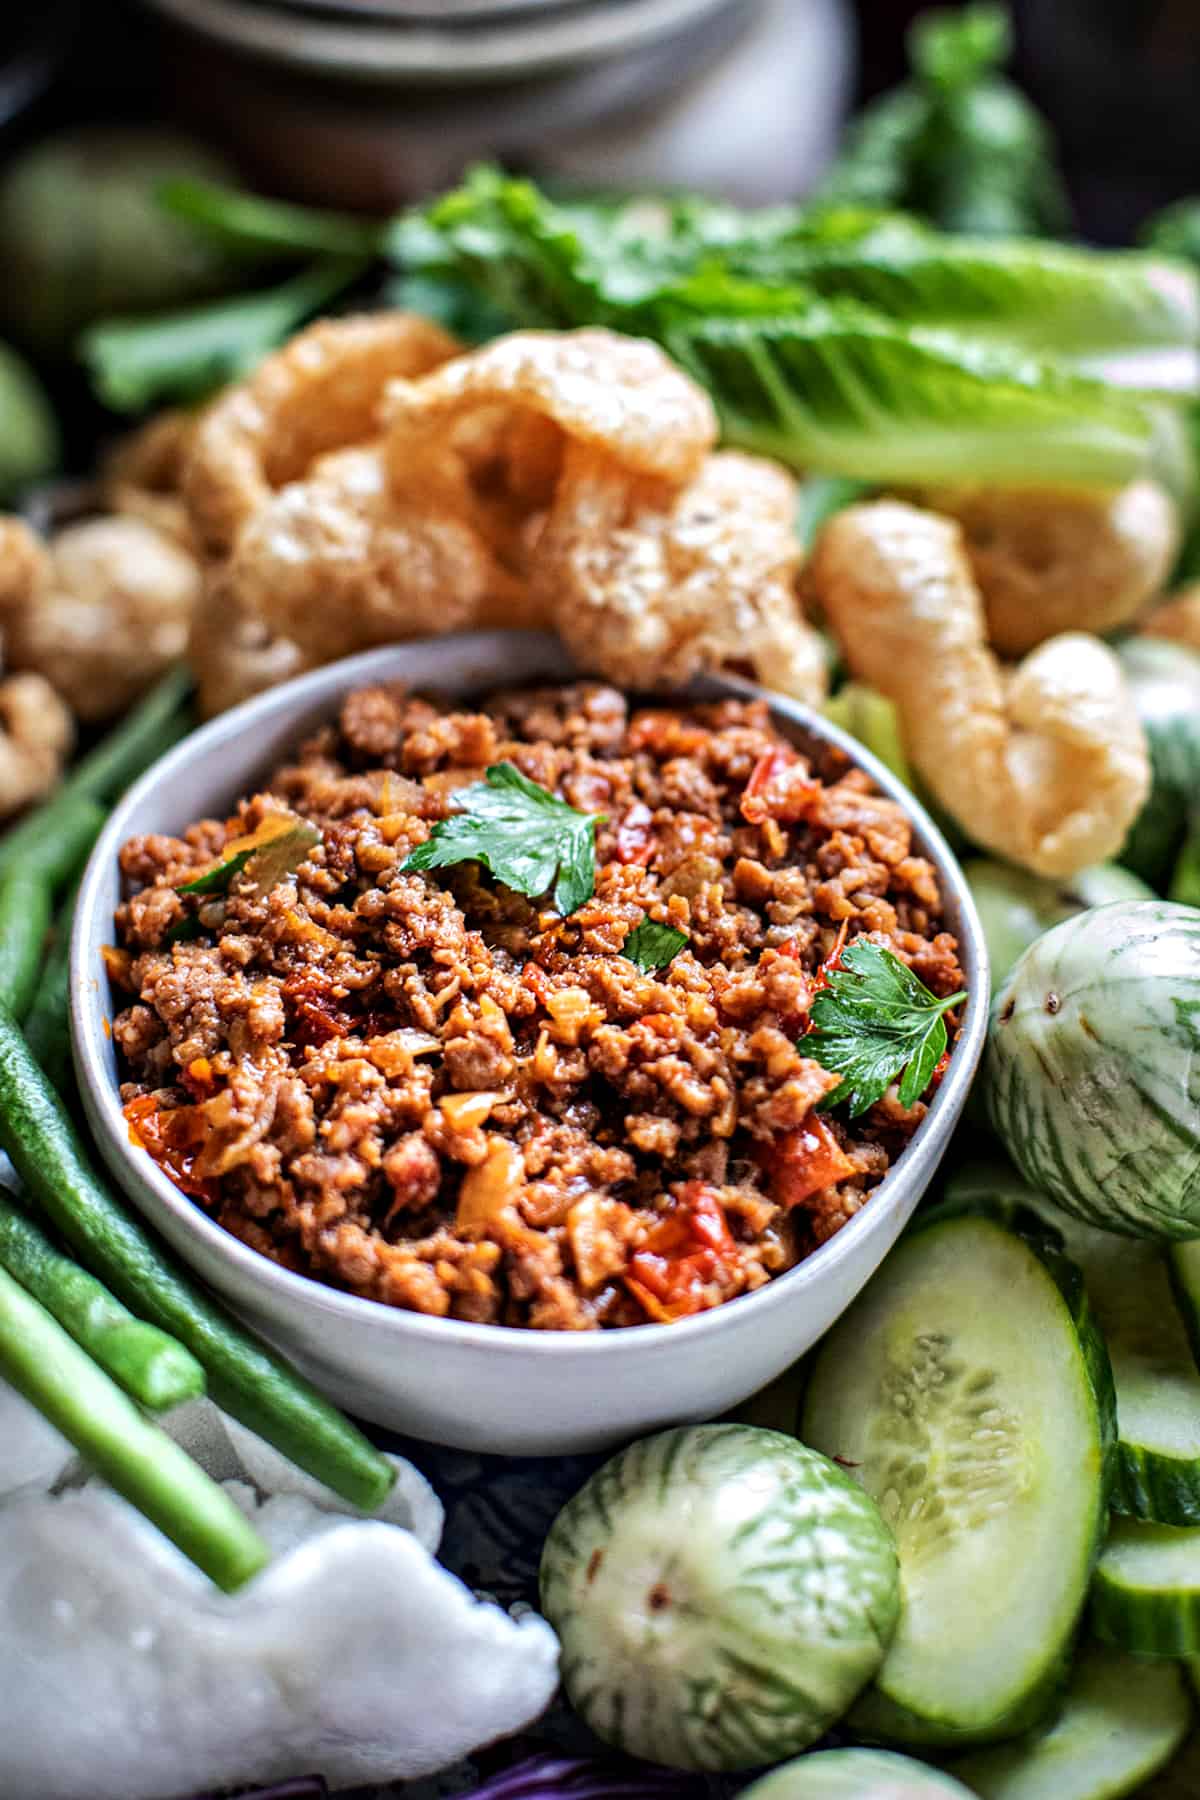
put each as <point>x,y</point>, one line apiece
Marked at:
<point>857,343</point>
<point>838,388</point>
<point>1124,317</point>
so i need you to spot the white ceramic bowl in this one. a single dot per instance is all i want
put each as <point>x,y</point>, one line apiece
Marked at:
<point>486,1387</point>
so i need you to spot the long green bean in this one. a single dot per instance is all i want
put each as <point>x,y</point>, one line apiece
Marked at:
<point>131,746</point>
<point>156,722</point>
<point>244,1376</point>
<point>25,908</point>
<point>153,1368</point>
<point>141,1462</point>
<point>47,1024</point>
<point>59,853</point>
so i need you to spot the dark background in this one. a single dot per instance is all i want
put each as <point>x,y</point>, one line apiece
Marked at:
<point>1119,80</point>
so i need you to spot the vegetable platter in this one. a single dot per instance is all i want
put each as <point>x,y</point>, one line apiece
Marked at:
<point>908,454</point>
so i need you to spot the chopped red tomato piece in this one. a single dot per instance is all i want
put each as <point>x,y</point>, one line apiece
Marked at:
<point>780,787</point>
<point>690,1248</point>
<point>316,1016</point>
<point>174,1137</point>
<point>832,961</point>
<point>635,835</point>
<point>804,1161</point>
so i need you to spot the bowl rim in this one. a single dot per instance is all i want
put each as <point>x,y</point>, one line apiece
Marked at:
<point>140,1180</point>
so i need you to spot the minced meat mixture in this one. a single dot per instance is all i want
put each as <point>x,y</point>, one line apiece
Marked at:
<point>427,1089</point>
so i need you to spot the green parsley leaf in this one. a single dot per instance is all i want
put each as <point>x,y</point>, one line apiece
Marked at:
<point>875,1021</point>
<point>650,946</point>
<point>527,837</point>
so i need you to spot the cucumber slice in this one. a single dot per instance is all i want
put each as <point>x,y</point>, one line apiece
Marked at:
<point>856,1775</point>
<point>1146,1590</point>
<point>1122,1720</point>
<point>969,1392</point>
<point>1180,1780</point>
<point>1154,1372</point>
<point>1183,1263</point>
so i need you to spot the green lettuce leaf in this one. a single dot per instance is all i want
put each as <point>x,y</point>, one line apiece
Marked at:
<point>242,221</point>
<point>1125,317</point>
<point>838,388</point>
<point>850,342</point>
<point>183,356</point>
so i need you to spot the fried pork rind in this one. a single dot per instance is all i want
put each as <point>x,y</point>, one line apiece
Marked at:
<point>36,737</point>
<point>648,584</point>
<point>559,478</point>
<point>320,393</point>
<point>232,652</point>
<point>1050,560</point>
<point>1044,763</point>
<point>353,1654</point>
<point>336,562</point>
<point>1177,618</point>
<point>618,395</point>
<point>108,613</point>
<point>412,500</point>
<point>25,567</point>
<point>142,477</point>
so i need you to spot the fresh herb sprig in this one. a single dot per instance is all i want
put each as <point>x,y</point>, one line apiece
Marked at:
<point>179,357</point>
<point>652,946</point>
<point>525,836</point>
<point>267,857</point>
<point>875,1020</point>
<point>276,849</point>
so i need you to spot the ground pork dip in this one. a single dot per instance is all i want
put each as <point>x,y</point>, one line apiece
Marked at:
<point>423,1086</point>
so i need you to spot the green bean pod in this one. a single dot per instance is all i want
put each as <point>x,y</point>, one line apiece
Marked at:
<point>25,907</point>
<point>47,1024</point>
<point>58,854</point>
<point>152,1367</point>
<point>44,836</point>
<point>137,1459</point>
<point>245,1377</point>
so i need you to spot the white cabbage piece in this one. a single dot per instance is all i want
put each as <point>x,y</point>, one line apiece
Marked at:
<point>125,1675</point>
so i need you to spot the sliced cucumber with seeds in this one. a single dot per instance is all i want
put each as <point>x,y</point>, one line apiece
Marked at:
<point>969,1391</point>
<point>1122,1721</point>
<point>856,1775</point>
<point>1183,1262</point>
<point>1154,1372</point>
<point>1146,1592</point>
